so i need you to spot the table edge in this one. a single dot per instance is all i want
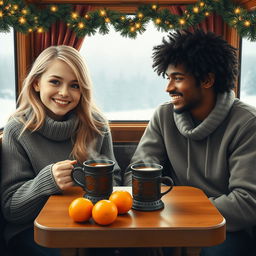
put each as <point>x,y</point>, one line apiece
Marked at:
<point>39,226</point>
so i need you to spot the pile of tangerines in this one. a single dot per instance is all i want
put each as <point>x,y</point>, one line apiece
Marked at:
<point>104,212</point>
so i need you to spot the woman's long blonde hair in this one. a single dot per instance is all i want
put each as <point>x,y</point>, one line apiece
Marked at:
<point>88,123</point>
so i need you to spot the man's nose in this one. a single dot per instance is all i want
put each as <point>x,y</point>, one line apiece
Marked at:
<point>170,86</point>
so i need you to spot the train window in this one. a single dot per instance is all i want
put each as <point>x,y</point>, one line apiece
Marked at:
<point>125,85</point>
<point>248,72</point>
<point>7,76</point>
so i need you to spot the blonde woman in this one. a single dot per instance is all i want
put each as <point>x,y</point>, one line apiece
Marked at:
<point>55,126</point>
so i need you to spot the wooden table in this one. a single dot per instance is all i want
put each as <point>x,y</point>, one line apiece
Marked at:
<point>188,220</point>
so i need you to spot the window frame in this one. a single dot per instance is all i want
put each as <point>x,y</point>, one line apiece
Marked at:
<point>16,70</point>
<point>122,131</point>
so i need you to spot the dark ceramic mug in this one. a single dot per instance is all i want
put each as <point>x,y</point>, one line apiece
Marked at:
<point>146,186</point>
<point>96,178</point>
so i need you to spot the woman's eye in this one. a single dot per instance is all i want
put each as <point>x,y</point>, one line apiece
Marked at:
<point>75,86</point>
<point>55,82</point>
<point>178,78</point>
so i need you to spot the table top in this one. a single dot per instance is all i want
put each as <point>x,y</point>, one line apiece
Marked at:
<point>188,219</point>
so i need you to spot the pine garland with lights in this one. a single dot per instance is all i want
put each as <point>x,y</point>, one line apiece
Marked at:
<point>27,18</point>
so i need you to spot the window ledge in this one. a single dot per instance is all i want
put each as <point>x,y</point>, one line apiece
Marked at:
<point>127,132</point>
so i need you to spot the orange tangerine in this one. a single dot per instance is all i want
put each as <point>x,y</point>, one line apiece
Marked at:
<point>122,199</point>
<point>104,212</point>
<point>80,209</point>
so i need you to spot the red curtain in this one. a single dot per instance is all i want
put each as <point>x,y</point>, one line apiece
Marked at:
<point>58,34</point>
<point>212,23</point>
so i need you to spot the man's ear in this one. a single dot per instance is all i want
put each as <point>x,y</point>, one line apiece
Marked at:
<point>208,81</point>
<point>36,86</point>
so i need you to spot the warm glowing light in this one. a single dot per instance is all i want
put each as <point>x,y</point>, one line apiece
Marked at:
<point>201,4</point>
<point>15,7</point>
<point>154,6</point>
<point>132,29</point>
<point>182,21</point>
<point>22,20</point>
<point>158,21</point>
<point>137,25</point>
<point>102,12</point>
<point>81,25</point>
<point>122,18</point>
<point>247,23</point>
<point>54,8</point>
<point>1,2</point>
<point>74,15</point>
<point>170,26</point>
<point>107,20</point>
<point>237,10</point>
<point>87,16</point>
<point>40,30</point>
<point>207,14</point>
<point>140,15</point>
<point>24,11</point>
<point>1,14</point>
<point>196,9</point>
<point>30,30</point>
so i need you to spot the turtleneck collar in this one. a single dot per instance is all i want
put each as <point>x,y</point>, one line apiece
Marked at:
<point>59,130</point>
<point>186,125</point>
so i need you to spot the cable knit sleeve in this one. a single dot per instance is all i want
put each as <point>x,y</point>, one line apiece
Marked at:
<point>239,205</point>
<point>23,191</point>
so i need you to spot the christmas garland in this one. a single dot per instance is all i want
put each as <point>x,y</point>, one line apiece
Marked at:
<point>27,18</point>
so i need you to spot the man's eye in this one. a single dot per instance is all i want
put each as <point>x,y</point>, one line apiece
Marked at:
<point>75,86</point>
<point>55,82</point>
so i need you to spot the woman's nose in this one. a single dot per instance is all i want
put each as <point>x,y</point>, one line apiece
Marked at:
<point>63,91</point>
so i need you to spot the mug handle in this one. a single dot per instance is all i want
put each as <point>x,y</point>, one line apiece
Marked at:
<point>165,178</point>
<point>77,169</point>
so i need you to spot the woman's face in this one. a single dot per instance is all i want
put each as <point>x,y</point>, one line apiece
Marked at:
<point>59,89</point>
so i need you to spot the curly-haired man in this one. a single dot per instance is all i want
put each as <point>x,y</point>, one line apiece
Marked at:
<point>205,137</point>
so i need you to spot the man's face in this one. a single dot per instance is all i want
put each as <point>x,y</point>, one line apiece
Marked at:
<point>186,94</point>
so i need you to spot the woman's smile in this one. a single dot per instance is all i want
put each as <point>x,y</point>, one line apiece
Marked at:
<point>61,102</point>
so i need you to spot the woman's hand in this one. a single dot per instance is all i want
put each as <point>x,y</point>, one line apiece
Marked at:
<point>62,173</point>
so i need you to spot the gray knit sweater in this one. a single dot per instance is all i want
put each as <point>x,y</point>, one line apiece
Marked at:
<point>26,176</point>
<point>217,155</point>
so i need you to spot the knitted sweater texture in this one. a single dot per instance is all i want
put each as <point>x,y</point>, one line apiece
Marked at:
<point>26,175</point>
<point>217,155</point>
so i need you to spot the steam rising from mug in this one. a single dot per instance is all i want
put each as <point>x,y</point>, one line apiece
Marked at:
<point>145,159</point>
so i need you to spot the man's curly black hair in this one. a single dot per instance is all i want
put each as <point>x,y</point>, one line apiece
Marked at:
<point>201,53</point>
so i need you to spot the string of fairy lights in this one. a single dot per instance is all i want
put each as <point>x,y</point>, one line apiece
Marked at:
<point>26,18</point>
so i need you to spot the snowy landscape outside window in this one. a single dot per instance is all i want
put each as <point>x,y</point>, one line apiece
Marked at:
<point>248,72</point>
<point>7,76</point>
<point>125,86</point>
